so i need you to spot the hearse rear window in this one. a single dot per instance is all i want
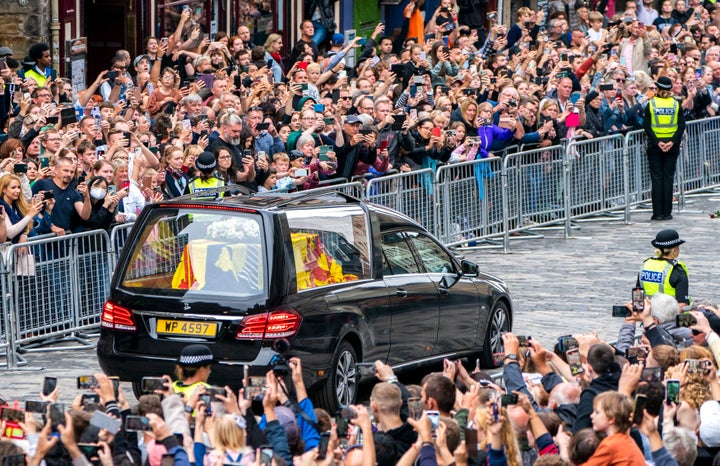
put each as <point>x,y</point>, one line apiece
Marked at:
<point>196,251</point>
<point>329,246</point>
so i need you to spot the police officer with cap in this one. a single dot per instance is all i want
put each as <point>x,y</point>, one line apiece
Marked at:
<point>664,273</point>
<point>192,370</point>
<point>664,126</point>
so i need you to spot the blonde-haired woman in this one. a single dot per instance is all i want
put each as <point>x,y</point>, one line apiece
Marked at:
<point>273,46</point>
<point>499,434</point>
<point>19,214</point>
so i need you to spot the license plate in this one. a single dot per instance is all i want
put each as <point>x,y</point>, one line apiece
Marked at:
<point>182,327</point>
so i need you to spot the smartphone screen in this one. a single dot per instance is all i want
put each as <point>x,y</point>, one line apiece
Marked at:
<point>640,401</point>
<point>573,359</point>
<point>638,299</point>
<point>672,391</point>
<point>50,383</point>
<point>323,445</point>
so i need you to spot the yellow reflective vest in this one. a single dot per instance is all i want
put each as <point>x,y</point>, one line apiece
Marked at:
<point>655,276</point>
<point>197,184</point>
<point>664,116</point>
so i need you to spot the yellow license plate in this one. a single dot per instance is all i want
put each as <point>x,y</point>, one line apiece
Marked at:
<point>183,327</point>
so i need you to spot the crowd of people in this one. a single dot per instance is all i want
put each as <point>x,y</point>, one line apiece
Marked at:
<point>652,400</point>
<point>191,113</point>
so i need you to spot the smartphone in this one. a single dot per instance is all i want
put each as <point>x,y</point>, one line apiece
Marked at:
<point>320,108</point>
<point>20,168</point>
<point>137,424</point>
<point>509,399</point>
<point>366,132</point>
<point>103,421</point>
<point>436,131</point>
<point>262,126</point>
<point>413,113</point>
<point>147,182</point>
<point>57,415</point>
<point>36,406</point>
<point>215,391</point>
<point>638,294</point>
<point>574,97</point>
<point>413,90</point>
<point>563,57</point>
<point>323,445</point>
<point>266,455</point>
<point>89,450</point>
<point>423,56</point>
<point>573,359</point>
<point>673,49</point>
<point>695,366</point>
<point>207,399</point>
<point>89,398</point>
<point>620,310</point>
<point>51,120</point>
<point>471,442</point>
<point>523,340</point>
<point>652,374</point>
<point>342,74</point>
<point>81,179</point>
<point>398,121</point>
<point>111,75</point>
<point>637,352</point>
<point>14,415</point>
<point>566,343</point>
<point>44,163</point>
<point>116,385</point>
<point>366,369</point>
<point>68,116</point>
<point>495,412</point>
<point>607,87</point>
<point>640,401</point>
<point>434,417</point>
<point>125,185</point>
<point>112,189</point>
<point>685,319</point>
<point>329,121</point>
<point>87,382</point>
<point>672,391</point>
<point>300,172</point>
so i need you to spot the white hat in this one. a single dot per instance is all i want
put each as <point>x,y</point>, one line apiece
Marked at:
<point>710,423</point>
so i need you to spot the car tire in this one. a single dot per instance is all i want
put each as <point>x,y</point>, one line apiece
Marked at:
<point>498,323</point>
<point>341,387</point>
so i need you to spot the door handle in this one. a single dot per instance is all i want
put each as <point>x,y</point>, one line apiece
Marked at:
<point>400,292</point>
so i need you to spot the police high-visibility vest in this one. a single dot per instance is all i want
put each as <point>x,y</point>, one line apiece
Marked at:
<point>664,116</point>
<point>197,184</point>
<point>186,391</point>
<point>40,78</point>
<point>655,276</point>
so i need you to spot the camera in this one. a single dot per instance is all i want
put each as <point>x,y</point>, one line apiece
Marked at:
<point>685,320</point>
<point>278,363</point>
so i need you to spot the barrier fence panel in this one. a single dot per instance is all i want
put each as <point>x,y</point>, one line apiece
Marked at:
<point>699,156</point>
<point>409,193</point>
<point>44,300</point>
<point>5,323</point>
<point>638,171</point>
<point>94,263</point>
<point>354,189</point>
<point>535,180</point>
<point>118,236</point>
<point>469,201</point>
<point>596,175</point>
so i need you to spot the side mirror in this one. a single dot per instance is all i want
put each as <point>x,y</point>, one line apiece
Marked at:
<point>469,269</point>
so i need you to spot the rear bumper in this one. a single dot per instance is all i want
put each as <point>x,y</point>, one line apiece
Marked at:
<point>132,367</point>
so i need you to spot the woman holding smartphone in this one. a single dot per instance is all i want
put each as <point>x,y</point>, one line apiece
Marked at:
<point>131,200</point>
<point>19,214</point>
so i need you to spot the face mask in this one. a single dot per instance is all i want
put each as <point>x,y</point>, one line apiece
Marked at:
<point>97,193</point>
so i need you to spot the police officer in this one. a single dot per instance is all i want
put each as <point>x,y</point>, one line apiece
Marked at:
<point>664,126</point>
<point>664,273</point>
<point>206,180</point>
<point>192,370</point>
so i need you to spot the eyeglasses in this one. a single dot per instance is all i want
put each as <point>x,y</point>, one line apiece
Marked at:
<point>347,97</point>
<point>53,139</point>
<point>652,88</point>
<point>44,95</point>
<point>426,128</point>
<point>255,109</point>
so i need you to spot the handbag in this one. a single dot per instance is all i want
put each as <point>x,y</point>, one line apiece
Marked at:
<point>25,266</point>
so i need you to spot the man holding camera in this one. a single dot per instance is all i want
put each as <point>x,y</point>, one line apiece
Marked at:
<point>69,202</point>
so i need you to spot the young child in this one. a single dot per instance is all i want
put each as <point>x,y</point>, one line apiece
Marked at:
<point>611,416</point>
<point>596,33</point>
<point>524,15</point>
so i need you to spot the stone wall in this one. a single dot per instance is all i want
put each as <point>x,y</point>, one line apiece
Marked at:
<point>24,25</point>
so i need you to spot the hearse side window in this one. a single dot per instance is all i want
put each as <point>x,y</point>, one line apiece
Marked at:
<point>399,258</point>
<point>435,259</point>
<point>199,252</point>
<point>329,246</point>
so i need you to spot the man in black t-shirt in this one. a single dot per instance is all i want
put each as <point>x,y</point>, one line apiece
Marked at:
<point>306,31</point>
<point>71,205</point>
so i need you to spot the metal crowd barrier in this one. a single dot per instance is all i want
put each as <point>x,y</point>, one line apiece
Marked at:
<point>469,201</point>
<point>410,193</point>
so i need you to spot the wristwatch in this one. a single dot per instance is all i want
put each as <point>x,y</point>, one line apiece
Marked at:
<point>511,357</point>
